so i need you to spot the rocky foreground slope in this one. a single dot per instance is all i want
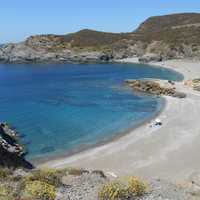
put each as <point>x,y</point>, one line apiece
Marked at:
<point>158,38</point>
<point>78,184</point>
<point>19,181</point>
<point>25,183</point>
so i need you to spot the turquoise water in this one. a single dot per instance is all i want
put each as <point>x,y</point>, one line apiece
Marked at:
<point>59,108</point>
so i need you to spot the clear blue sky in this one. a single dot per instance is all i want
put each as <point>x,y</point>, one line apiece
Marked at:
<point>22,18</point>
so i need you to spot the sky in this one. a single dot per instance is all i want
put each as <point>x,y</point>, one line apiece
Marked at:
<point>22,18</point>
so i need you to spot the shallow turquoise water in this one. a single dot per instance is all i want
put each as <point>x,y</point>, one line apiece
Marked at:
<point>59,108</point>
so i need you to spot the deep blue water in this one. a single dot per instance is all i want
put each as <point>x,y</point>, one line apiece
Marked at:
<point>59,108</point>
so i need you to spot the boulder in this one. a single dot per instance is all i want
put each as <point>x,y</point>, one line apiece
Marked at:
<point>180,95</point>
<point>100,173</point>
<point>150,57</point>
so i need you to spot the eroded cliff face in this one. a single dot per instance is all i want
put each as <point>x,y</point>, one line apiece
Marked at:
<point>11,151</point>
<point>165,37</point>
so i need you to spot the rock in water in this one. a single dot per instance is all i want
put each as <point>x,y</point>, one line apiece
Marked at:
<point>156,87</point>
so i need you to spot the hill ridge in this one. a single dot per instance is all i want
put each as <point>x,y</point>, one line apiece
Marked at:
<point>167,36</point>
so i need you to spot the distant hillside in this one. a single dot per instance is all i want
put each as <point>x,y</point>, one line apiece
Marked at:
<point>169,36</point>
<point>160,23</point>
<point>171,28</point>
<point>86,37</point>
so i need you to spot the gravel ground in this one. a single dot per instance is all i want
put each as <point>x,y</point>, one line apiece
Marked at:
<point>163,190</point>
<point>86,186</point>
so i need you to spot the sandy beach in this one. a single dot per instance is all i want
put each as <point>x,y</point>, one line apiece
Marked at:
<point>170,151</point>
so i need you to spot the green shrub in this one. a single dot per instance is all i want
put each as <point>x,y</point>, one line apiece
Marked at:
<point>39,190</point>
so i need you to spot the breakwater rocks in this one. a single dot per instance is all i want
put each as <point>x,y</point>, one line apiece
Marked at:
<point>155,87</point>
<point>11,151</point>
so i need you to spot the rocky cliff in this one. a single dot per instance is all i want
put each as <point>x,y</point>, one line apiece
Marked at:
<point>158,38</point>
<point>11,151</point>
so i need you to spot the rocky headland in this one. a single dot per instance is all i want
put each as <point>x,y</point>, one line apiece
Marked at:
<point>158,38</point>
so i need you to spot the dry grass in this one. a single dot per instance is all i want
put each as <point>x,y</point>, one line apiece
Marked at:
<point>125,188</point>
<point>39,190</point>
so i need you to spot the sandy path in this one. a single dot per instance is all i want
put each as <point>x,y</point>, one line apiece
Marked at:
<point>170,151</point>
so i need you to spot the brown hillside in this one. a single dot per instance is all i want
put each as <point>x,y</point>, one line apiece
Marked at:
<point>87,38</point>
<point>158,23</point>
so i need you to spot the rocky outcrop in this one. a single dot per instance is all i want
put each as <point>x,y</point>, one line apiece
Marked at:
<point>23,53</point>
<point>150,57</point>
<point>155,87</point>
<point>11,152</point>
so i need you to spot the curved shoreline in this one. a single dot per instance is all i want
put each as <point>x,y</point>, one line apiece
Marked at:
<point>37,161</point>
<point>58,161</point>
<point>50,159</point>
<point>106,141</point>
<point>167,151</point>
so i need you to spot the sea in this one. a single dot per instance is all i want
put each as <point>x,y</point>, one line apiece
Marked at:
<point>64,108</point>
